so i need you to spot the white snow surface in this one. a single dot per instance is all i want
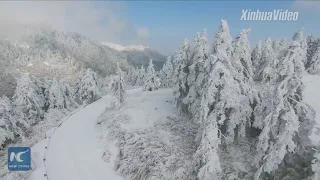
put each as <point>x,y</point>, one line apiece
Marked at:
<point>312,97</point>
<point>73,152</point>
<point>147,107</point>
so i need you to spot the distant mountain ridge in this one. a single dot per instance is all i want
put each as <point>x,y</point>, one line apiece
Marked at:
<point>119,47</point>
<point>138,55</point>
<point>48,52</point>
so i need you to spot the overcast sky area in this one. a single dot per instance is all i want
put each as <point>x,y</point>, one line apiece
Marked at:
<point>161,25</point>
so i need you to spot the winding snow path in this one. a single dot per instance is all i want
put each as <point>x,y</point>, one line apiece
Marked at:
<point>74,152</point>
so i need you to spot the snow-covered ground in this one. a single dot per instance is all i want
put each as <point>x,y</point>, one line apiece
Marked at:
<point>74,150</point>
<point>312,97</point>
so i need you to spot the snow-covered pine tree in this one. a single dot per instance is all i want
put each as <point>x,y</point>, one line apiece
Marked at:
<point>301,58</point>
<point>220,109</point>
<point>278,113</point>
<point>86,88</point>
<point>242,55</point>
<point>313,45</point>
<point>141,76</point>
<point>265,68</point>
<point>279,47</point>
<point>182,61</point>
<point>152,82</point>
<point>241,58</point>
<point>197,71</point>
<point>29,99</point>
<point>61,95</point>
<point>223,39</point>
<point>166,73</point>
<point>224,111</point>
<point>118,85</point>
<point>256,57</point>
<point>314,64</point>
<point>313,55</point>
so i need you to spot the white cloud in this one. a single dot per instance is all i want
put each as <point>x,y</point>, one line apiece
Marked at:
<point>101,21</point>
<point>143,33</point>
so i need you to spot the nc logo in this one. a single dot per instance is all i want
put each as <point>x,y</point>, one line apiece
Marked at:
<point>19,159</point>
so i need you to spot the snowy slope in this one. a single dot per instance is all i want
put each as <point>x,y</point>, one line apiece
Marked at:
<point>73,151</point>
<point>312,97</point>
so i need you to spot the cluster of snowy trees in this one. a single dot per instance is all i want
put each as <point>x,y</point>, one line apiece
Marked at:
<point>34,98</point>
<point>146,78</point>
<point>235,93</point>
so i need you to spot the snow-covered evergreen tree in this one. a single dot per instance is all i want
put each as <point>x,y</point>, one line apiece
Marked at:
<point>256,57</point>
<point>141,76</point>
<point>265,68</point>
<point>277,113</point>
<point>242,55</point>
<point>132,76</point>
<point>87,88</point>
<point>61,95</point>
<point>220,106</point>
<point>29,99</point>
<point>223,39</point>
<point>197,71</point>
<point>314,63</point>
<point>166,73</point>
<point>152,82</point>
<point>313,45</point>
<point>118,85</point>
<point>182,61</point>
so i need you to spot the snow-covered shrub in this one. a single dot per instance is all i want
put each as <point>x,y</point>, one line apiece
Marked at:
<point>86,87</point>
<point>152,82</point>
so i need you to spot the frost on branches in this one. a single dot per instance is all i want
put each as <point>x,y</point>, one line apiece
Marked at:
<point>118,85</point>
<point>152,82</point>
<point>87,88</point>
<point>166,73</point>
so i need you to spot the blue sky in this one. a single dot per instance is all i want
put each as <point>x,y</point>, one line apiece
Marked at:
<point>169,22</point>
<point>162,25</point>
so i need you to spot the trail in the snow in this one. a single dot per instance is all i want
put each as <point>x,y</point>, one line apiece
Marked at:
<point>74,151</point>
